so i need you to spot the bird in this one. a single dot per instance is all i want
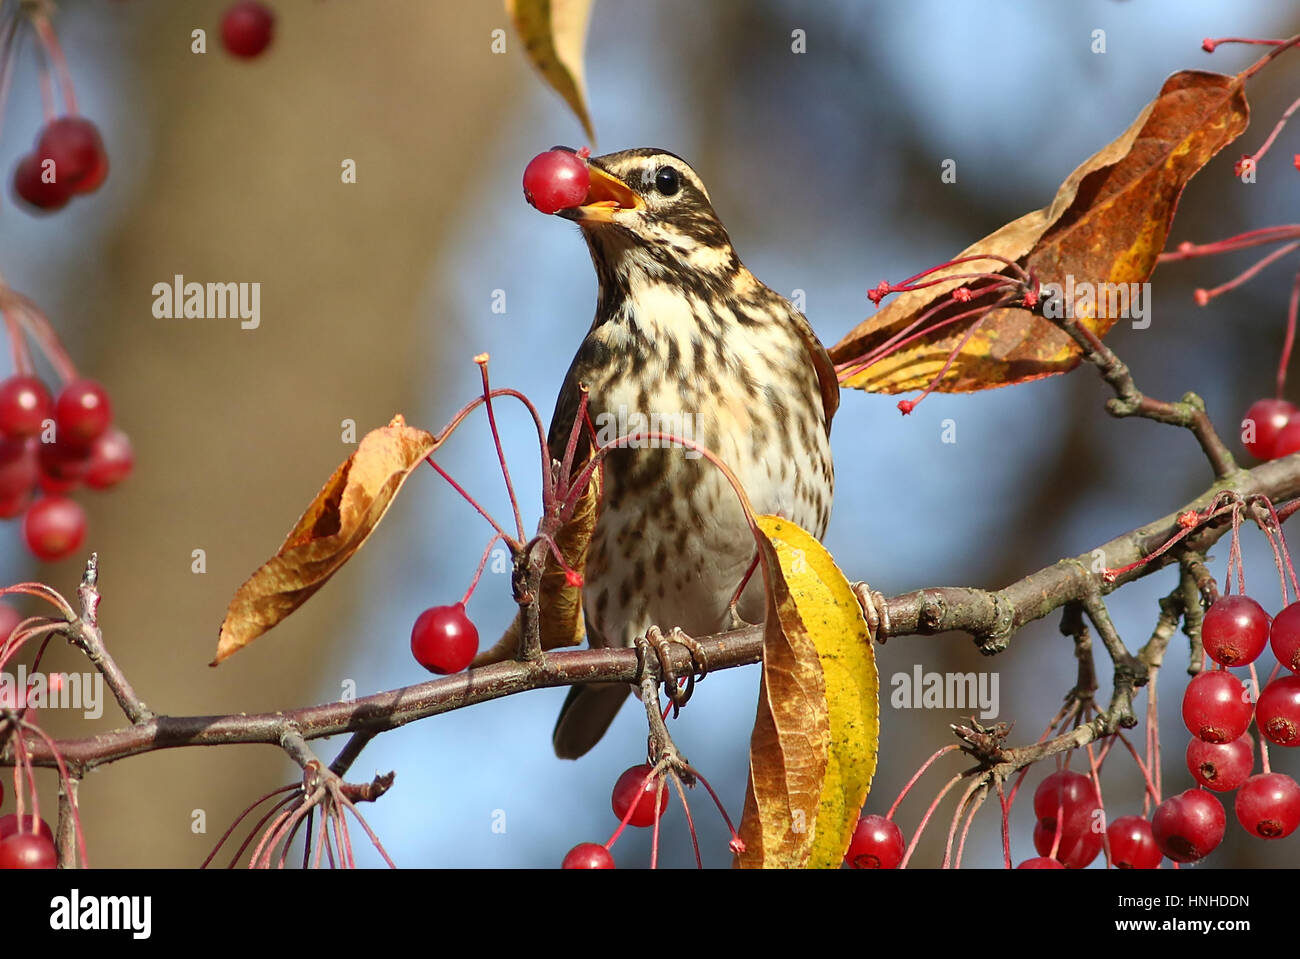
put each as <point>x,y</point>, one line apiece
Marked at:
<point>683,327</point>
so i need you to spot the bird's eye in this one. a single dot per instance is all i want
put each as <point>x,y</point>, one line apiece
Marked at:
<point>667,181</point>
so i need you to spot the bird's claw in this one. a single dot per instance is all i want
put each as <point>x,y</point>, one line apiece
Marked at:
<point>875,609</point>
<point>655,639</point>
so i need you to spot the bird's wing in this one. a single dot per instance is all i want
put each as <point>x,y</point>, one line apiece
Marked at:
<point>821,360</point>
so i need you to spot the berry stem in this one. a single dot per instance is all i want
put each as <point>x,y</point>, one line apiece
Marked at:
<point>50,41</point>
<point>240,818</point>
<point>482,361</point>
<point>954,353</point>
<point>917,775</point>
<point>925,820</point>
<point>690,822</point>
<point>1241,241</point>
<point>65,781</point>
<point>479,572</point>
<point>8,54</point>
<point>915,330</point>
<point>514,545</point>
<point>1152,790</point>
<point>1247,274</point>
<point>1287,114</point>
<point>963,806</point>
<point>1293,306</point>
<point>1263,740</point>
<point>1278,48</point>
<point>1006,826</point>
<point>722,810</point>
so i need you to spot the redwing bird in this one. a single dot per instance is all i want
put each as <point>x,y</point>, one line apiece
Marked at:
<point>686,334</point>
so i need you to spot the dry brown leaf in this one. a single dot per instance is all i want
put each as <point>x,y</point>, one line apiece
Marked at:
<point>554,34</point>
<point>1107,223</point>
<point>336,524</point>
<point>791,737</point>
<point>559,604</point>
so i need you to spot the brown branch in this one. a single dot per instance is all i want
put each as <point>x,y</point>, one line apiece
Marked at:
<point>85,634</point>
<point>1189,412</point>
<point>990,616</point>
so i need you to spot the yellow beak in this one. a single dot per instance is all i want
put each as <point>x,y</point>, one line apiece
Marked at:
<point>606,195</point>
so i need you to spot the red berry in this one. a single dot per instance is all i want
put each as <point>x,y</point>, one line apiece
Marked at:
<point>1235,630</point>
<point>588,855</point>
<point>38,186</point>
<point>629,793</point>
<point>1268,805</point>
<point>556,180</point>
<point>1288,440</point>
<point>1278,711</point>
<point>1216,706</point>
<point>54,527</point>
<point>1040,862</point>
<point>111,460</point>
<point>443,640</point>
<point>1284,635</point>
<point>247,29</point>
<point>26,851</point>
<point>1188,826</point>
<point>1132,844</point>
<point>15,505</point>
<point>1071,794</point>
<point>1077,847</point>
<point>1269,418</point>
<point>19,470</point>
<point>9,825</point>
<point>25,404</point>
<point>75,146</point>
<point>877,843</point>
<point>64,461</point>
<point>82,412</point>
<point>1221,766</point>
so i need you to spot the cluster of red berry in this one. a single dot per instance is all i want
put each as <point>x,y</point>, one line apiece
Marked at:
<point>1218,711</point>
<point>69,159</point>
<point>52,445</point>
<point>633,801</point>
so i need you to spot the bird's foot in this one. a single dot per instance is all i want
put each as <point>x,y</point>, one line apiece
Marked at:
<point>655,640</point>
<point>875,608</point>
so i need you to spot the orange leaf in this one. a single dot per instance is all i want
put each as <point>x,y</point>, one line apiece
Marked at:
<point>337,523</point>
<point>1107,224</point>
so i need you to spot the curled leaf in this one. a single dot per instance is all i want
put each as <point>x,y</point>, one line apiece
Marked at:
<point>559,601</point>
<point>554,34</point>
<point>1106,225</point>
<point>336,524</point>
<point>813,748</point>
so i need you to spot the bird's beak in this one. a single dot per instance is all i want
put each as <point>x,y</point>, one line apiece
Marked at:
<point>606,195</point>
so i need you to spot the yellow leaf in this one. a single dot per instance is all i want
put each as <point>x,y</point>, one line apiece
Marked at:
<point>813,750</point>
<point>336,524</point>
<point>554,34</point>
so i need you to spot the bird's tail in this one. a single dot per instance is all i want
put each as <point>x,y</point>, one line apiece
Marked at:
<point>585,715</point>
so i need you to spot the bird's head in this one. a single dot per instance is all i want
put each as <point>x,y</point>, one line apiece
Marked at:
<point>646,208</point>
